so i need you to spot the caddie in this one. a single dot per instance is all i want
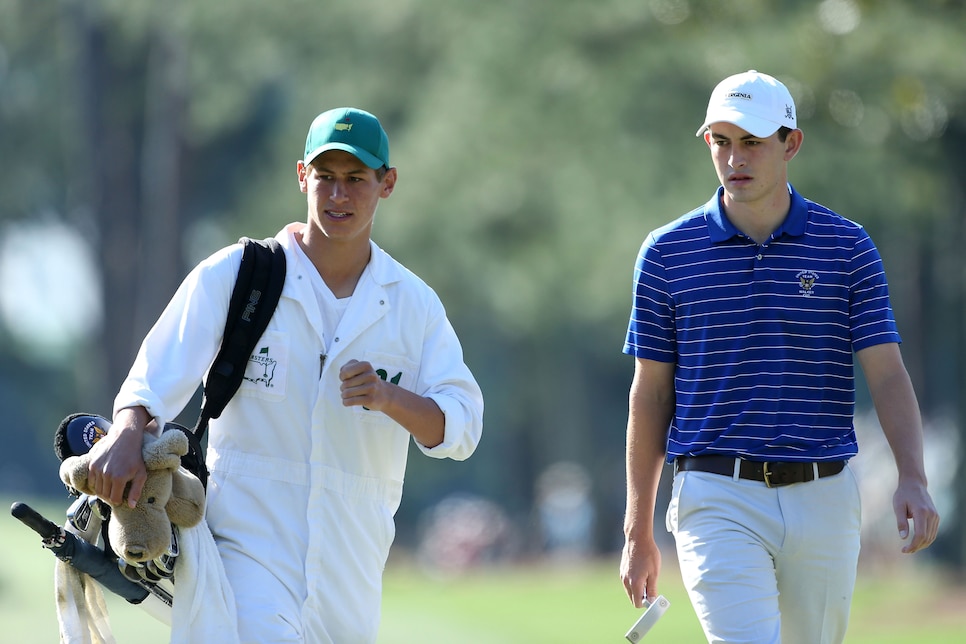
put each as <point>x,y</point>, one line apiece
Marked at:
<point>308,459</point>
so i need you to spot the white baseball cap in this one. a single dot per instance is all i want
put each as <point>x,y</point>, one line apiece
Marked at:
<point>755,102</point>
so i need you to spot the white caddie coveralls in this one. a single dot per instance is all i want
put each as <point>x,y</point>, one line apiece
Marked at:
<point>303,490</point>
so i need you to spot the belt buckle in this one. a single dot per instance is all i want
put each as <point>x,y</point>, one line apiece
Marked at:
<point>767,474</point>
<point>779,477</point>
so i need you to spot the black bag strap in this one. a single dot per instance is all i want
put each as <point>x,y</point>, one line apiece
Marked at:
<point>253,301</point>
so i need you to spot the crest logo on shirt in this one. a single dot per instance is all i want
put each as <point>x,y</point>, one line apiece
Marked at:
<point>261,368</point>
<point>806,282</point>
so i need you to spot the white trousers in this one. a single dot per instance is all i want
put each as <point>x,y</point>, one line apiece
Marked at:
<point>293,585</point>
<point>766,565</point>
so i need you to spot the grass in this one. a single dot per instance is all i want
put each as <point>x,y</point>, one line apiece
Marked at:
<point>534,604</point>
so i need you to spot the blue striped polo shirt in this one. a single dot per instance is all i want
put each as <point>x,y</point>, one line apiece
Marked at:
<point>762,336</point>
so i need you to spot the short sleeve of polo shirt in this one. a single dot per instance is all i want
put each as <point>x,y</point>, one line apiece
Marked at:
<point>870,313</point>
<point>651,330</point>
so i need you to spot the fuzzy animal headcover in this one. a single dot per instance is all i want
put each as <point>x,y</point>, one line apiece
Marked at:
<point>171,495</point>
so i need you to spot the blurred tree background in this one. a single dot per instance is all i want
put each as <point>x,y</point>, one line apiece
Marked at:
<point>537,141</point>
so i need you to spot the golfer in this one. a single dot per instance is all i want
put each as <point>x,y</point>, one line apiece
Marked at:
<point>747,312</point>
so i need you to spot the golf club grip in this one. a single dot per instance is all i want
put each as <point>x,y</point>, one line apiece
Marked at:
<point>34,520</point>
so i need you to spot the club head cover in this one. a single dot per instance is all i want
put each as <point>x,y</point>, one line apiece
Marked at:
<point>77,433</point>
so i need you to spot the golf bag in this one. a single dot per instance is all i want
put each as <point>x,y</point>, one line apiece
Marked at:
<point>83,540</point>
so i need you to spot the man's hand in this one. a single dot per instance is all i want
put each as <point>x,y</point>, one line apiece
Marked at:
<point>640,566</point>
<point>361,385</point>
<point>912,501</point>
<point>419,415</point>
<point>116,468</point>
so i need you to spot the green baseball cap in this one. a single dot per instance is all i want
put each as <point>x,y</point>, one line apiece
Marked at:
<point>353,130</point>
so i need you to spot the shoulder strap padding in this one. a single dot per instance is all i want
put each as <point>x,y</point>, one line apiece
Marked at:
<point>253,301</point>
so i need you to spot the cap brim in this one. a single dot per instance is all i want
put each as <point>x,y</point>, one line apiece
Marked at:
<point>370,160</point>
<point>754,125</point>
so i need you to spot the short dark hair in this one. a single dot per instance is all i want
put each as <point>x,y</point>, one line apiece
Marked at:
<point>783,133</point>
